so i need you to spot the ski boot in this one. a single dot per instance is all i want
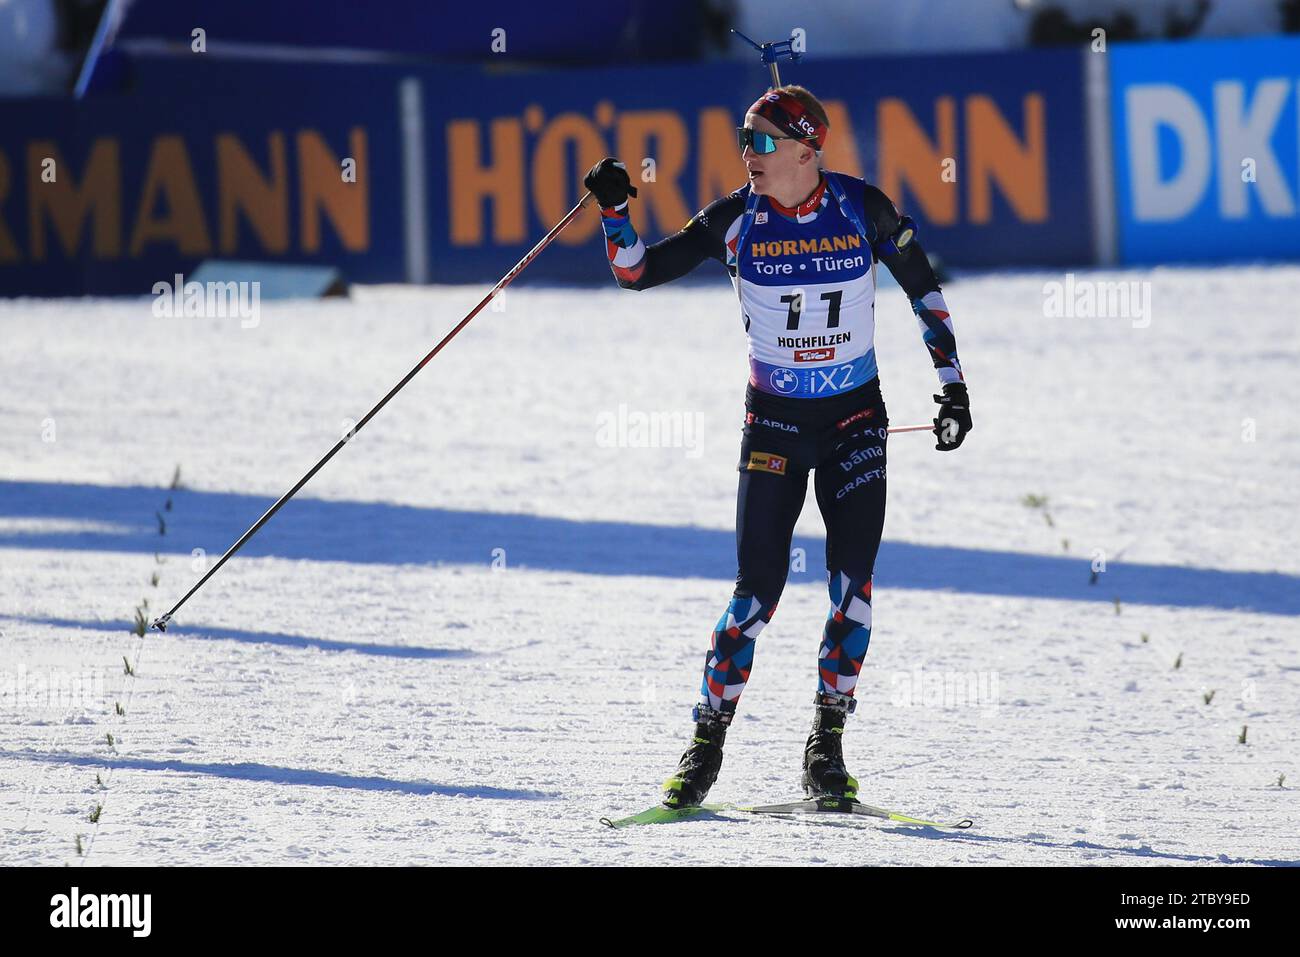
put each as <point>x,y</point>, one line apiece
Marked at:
<point>698,768</point>
<point>824,773</point>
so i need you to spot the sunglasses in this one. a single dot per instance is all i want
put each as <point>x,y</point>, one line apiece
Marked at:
<point>761,143</point>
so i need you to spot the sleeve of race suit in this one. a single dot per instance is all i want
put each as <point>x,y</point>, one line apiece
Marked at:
<point>897,248</point>
<point>638,266</point>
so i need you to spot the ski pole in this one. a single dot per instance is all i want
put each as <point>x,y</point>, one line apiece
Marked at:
<point>161,623</point>
<point>911,428</point>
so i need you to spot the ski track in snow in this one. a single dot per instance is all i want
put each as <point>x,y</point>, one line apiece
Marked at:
<point>374,683</point>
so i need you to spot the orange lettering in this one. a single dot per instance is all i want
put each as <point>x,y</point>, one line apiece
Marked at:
<point>718,166</point>
<point>841,153</point>
<point>662,198</point>
<point>170,175</point>
<point>471,182</point>
<point>553,187</point>
<point>909,160</point>
<point>996,154</point>
<point>242,190</point>
<point>321,188</point>
<point>68,207</point>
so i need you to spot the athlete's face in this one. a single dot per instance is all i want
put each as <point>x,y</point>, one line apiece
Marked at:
<point>781,173</point>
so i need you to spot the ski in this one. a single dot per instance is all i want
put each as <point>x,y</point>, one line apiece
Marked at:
<point>838,805</point>
<point>662,815</point>
<point>826,805</point>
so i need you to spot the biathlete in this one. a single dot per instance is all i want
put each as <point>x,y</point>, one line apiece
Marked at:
<point>800,243</point>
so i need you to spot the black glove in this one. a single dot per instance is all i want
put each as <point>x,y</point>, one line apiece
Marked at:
<point>953,421</point>
<point>609,183</point>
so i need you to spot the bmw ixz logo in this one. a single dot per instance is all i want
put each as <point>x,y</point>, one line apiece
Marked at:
<point>784,380</point>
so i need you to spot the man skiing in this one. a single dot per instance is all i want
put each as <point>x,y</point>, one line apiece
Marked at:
<point>800,244</point>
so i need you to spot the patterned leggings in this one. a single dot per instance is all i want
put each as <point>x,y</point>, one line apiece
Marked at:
<point>846,451</point>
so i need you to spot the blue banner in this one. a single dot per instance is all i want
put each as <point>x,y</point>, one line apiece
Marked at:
<point>117,192</point>
<point>986,152</point>
<point>449,174</point>
<point>1207,157</point>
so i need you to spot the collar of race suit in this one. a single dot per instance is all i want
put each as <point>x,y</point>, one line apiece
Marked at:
<point>807,207</point>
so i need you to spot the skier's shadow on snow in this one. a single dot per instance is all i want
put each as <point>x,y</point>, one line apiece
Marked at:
<point>974,836</point>
<point>854,823</point>
<point>202,631</point>
<point>1144,851</point>
<point>273,774</point>
<point>122,519</point>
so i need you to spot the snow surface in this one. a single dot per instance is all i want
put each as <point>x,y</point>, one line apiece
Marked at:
<point>481,628</point>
